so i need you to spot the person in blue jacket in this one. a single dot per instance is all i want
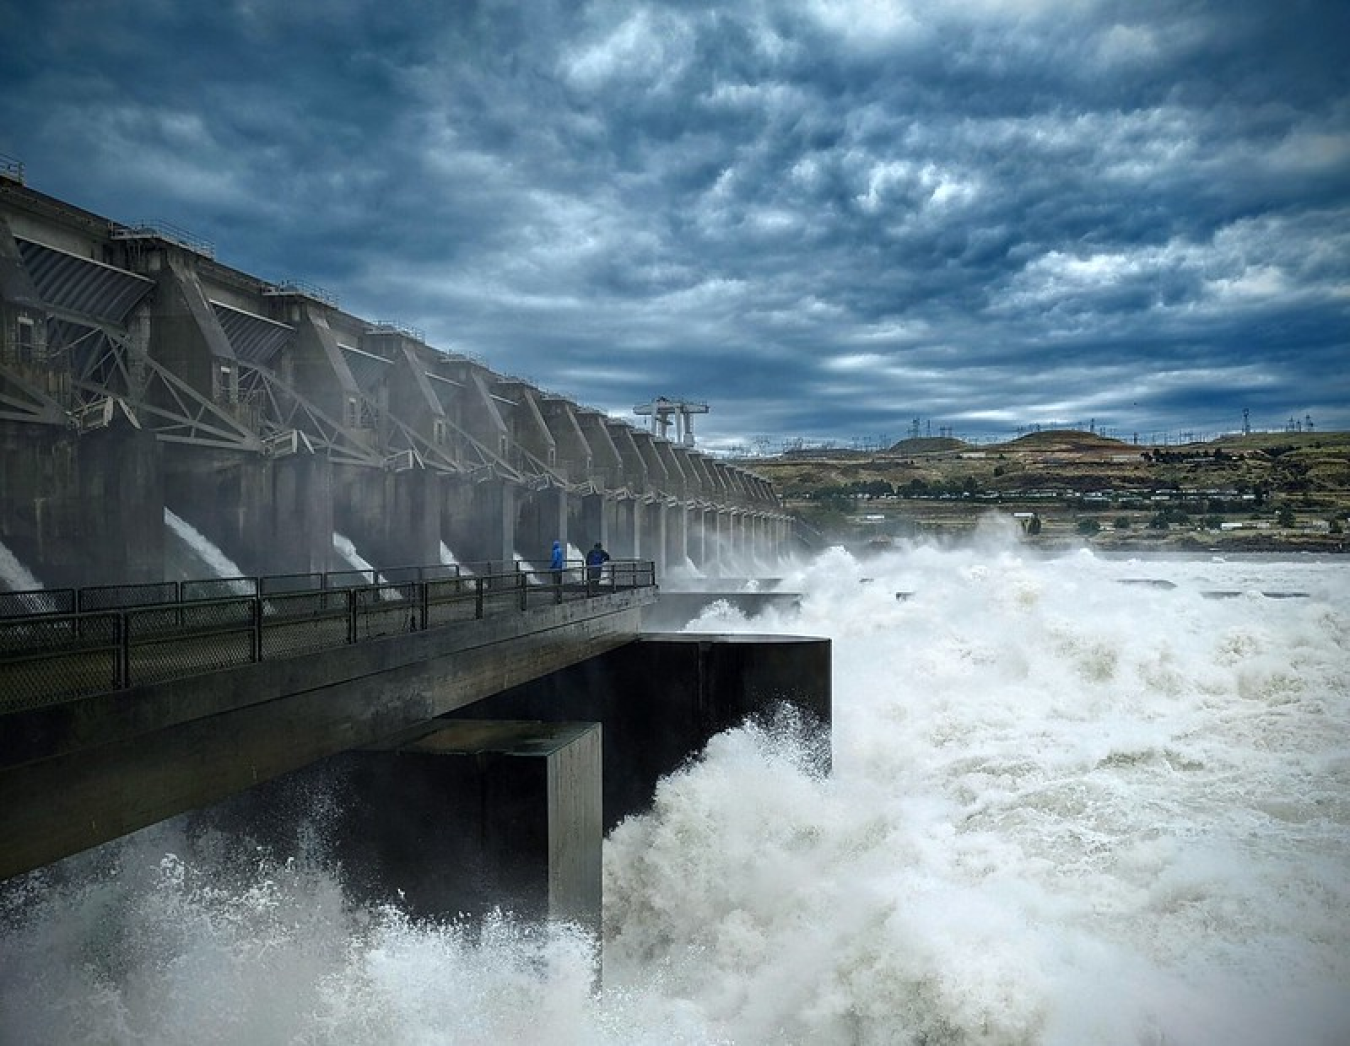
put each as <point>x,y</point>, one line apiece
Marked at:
<point>596,558</point>
<point>557,561</point>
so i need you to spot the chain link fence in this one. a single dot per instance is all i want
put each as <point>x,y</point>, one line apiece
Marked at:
<point>113,597</point>
<point>41,601</point>
<point>59,656</point>
<point>64,644</point>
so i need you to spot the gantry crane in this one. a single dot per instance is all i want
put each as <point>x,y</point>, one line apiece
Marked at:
<point>663,410</point>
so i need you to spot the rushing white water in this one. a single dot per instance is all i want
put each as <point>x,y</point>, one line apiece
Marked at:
<point>346,548</point>
<point>684,574</point>
<point>14,576</point>
<point>449,559</point>
<point>533,574</point>
<point>447,556</point>
<point>203,549</point>
<point>1064,810</point>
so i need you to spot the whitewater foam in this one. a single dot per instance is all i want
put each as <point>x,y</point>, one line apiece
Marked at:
<point>1063,810</point>
<point>14,576</point>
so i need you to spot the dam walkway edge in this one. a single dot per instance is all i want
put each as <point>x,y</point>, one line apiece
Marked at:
<point>82,770</point>
<point>63,644</point>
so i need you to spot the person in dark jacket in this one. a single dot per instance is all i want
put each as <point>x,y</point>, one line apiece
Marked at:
<point>596,558</point>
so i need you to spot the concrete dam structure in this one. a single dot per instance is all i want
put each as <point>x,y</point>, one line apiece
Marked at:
<point>481,729</point>
<point>139,376</point>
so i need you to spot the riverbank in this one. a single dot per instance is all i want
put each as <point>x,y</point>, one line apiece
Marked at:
<point>1254,492</point>
<point>1138,543</point>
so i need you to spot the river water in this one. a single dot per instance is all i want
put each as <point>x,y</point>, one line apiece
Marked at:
<point>1070,805</point>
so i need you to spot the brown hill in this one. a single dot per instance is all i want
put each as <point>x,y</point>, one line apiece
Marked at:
<point>928,445</point>
<point>1276,488</point>
<point>1062,440</point>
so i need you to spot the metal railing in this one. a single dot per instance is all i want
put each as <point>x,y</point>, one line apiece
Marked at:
<point>160,230</point>
<point>118,636</point>
<point>303,289</point>
<point>11,168</point>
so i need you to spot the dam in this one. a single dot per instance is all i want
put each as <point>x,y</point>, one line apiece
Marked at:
<point>153,398</point>
<point>139,375</point>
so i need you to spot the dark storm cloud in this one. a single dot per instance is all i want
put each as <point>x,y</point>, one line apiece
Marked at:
<point>826,219</point>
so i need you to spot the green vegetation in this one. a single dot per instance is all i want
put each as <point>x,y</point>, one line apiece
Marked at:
<point>1262,490</point>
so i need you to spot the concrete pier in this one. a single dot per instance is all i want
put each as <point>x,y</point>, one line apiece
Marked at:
<point>472,816</point>
<point>468,813</point>
<point>83,510</point>
<point>663,696</point>
<point>281,517</point>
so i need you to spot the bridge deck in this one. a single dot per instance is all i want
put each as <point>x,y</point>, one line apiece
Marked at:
<point>66,644</point>
<point>77,771</point>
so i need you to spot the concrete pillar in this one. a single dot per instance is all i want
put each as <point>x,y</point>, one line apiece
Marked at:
<point>119,507</point>
<point>661,697</point>
<point>779,532</point>
<point>477,815</point>
<point>700,544</point>
<point>478,520</point>
<point>469,817</point>
<point>677,535</point>
<point>498,517</point>
<point>295,534</point>
<point>268,515</point>
<point>736,544</point>
<point>83,509</point>
<point>614,526</point>
<point>626,536</point>
<point>542,520</point>
<point>593,522</point>
<point>693,534</point>
<point>655,546</point>
<point>457,518</point>
<point>410,535</point>
<point>719,558</point>
<point>391,516</point>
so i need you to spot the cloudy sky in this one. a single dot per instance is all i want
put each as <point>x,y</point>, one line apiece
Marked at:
<point>831,221</point>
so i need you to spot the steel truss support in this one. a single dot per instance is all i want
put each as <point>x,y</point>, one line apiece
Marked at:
<point>22,400</point>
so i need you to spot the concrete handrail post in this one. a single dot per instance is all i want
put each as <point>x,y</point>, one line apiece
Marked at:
<point>351,615</point>
<point>478,596</point>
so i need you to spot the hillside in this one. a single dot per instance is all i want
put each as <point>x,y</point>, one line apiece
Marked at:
<point>1063,441</point>
<point>929,445</point>
<point>1260,489</point>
